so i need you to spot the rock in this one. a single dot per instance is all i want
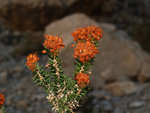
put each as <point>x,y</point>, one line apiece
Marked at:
<point>119,59</point>
<point>19,93</point>
<point>20,87</point>
<point>121,88</point>
<point>96,109</point>
<point>144,75</point>
<point>100,94</point>
<point>3,77</point>
<point>136,104</point>
<point>22,104</point>
<point>2,58</point>
<point>3,90</point>
<point>96,81</point>
<point>108,27</point>
<point>39,97</point>
<point>118,110</point>
<point>9,102</point>
<point>141,87</point>
<point>6,37</point>
<point>106,106</point>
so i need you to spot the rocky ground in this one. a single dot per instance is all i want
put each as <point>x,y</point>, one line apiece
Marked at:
<point>119,80</point>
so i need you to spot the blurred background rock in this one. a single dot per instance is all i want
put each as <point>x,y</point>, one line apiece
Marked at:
<point>121,73</point>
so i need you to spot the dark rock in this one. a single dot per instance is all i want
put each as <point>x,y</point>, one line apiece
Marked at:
<point>136,104</point>
<point>22,104</point>
<point>106,106</point>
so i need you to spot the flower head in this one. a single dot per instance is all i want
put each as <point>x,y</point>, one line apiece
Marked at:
<point>43,51</point>
<point>85,51</point>
<point>2,100</point>
<point>82,79</point>
<point>32,61</point>
<point>90,33</point>
<point>53,43</point>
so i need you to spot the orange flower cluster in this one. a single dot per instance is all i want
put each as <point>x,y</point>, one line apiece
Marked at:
<point>53,43</point>
<point>87,34</point>
<point>2,100</point>
<point>85,51</point>
<point>31,61</point>
<point>82,79</point>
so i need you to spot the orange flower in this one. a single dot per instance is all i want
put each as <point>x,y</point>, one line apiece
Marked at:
<point>82,79</point>
<point>85,51</point>
<point>32,61</point>
<point>2,100</point>
<point>53,43</point>
<point>44,51</point>
<point>87,34</point>
<point>72,45</point>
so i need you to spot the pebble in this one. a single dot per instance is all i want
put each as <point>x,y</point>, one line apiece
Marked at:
<point>121,88</point>
<point>3,90</point>
<point>106,106</point>
<point>101,94</point>
<point>41,97</point>
<point>3,77</point>
<point>22,104</point>
<point>9,102</point>
<point>136,104</point>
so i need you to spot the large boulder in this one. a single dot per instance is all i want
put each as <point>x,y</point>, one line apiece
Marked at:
<point>120,58</point>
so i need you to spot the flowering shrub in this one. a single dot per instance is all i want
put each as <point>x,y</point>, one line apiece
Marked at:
<point>64,93</point>
<point>2,100</point>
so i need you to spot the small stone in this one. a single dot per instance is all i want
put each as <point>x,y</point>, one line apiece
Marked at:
<point>21,87</point>
<point>22,104</point>
<point>136,104</point>
<point>117,110</point>
<point>3,77</point>
<point>3,90</point>
<point>2,58</point>
<point>18,69</point>
<point>121,88</point>
<point>100,94</point>
<point>106,106</point>
<point>19,93</point>
<point>40,97</point>
<point>9,102</point>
